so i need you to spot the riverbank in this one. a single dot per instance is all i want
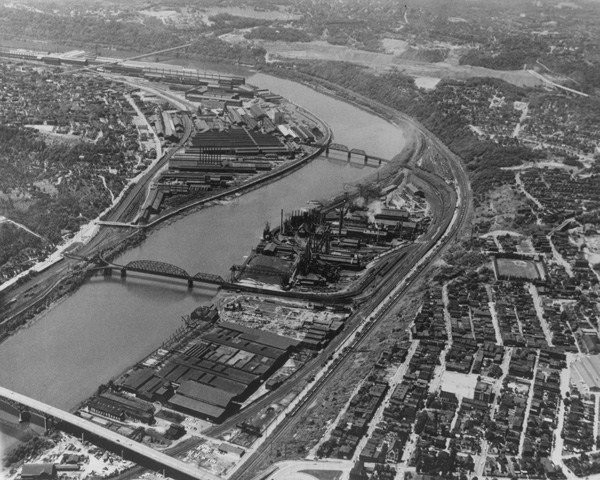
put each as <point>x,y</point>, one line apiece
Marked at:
<point>343,94</point>
<point>74,279</point>
<point>454,162</point>
<point>9,427</point>
<point>131,318</point>
<point>12,433</point>
<point>259,180</point>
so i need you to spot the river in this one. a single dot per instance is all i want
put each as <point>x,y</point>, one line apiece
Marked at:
<point>108,325</point>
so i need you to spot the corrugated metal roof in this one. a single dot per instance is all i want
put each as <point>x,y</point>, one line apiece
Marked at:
<point>197,406</point>
<point>205,393</point>
<point>138,378</point>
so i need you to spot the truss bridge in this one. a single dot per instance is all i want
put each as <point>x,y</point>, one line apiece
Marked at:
<point>356,152</point>
<point>163,269</point>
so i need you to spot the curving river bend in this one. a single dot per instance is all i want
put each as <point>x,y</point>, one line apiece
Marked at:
<point>108,325</point>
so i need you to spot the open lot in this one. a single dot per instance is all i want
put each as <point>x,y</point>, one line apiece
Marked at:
<point>517,268</point>
<point>459,383</point>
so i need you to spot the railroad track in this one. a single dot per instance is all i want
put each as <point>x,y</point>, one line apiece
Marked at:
<point>363,333</point>
<point>361,330</point>
<point>391,271</point>
<point>356,323</point>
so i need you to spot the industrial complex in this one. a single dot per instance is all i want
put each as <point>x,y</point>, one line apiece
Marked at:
<point>230,356</point>
<point>324,248</point>
<point>211,366</point>
<point>238,131</point>
<point>321,240</point>
<point>210,369</point>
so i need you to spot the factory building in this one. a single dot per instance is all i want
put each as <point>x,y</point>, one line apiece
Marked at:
<point>202,400</point>
<point>208,377</point>
<point>212,146</point>
<point>119,408</point>
<point>224,368</point>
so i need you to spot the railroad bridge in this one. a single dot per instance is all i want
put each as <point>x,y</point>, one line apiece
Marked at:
<point>163,269</point>
<point>166,270</point>
<point>338,147</point>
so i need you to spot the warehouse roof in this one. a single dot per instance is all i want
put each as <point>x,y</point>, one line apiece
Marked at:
<point>588,369</point>
<point>393,213</point>
<point>205,393</point>
<point>129,403</point>
<point>138,378</point>
<point>196,406</point>
<point>218,369</point>
<point>261,336</point>
<point>228,448</point>
<point>234,138</point>
<point>219,382</point>
<point>106,406</point>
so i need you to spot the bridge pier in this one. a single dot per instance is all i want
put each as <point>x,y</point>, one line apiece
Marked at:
<point>47,423</point>
<point>349,155</point>
<point>24,415</point>
<point>190,282</point>
<point>366,159</point>
<point>327,151</point>
<point>123,272</point>
<point>107,271</point>
<point>380,162</point>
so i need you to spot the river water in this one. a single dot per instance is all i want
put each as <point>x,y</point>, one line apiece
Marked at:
<point>108,325</point>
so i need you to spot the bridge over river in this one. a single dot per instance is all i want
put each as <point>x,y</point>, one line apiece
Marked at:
<point>48,416</point>
<point>162,269</point>
<point>166,270</point>
<point>338,147</point>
